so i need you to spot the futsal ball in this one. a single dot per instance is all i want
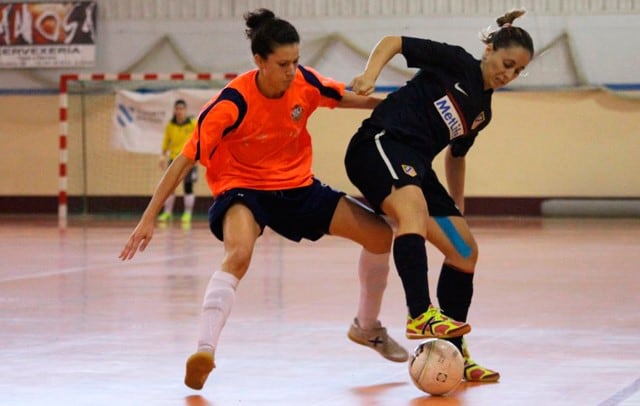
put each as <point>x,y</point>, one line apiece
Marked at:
<point>436,366</point>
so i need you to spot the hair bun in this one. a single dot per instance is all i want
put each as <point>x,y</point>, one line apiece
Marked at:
<point>507,19</point>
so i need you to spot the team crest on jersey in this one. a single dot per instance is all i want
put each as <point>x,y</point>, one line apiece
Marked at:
<point>478,120</point>
<point>296,112</point>
<point>409,170</point>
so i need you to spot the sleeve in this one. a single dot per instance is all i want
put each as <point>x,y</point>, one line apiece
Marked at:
<point>330,90</point>
<point>421,53</point>
<point>215,121</point>
<point>461,145</point>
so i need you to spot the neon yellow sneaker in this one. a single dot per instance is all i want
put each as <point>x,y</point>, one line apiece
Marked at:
<point>199,365</point>
<point>186,218</point>
<point>377,339</point>
<point>434,324</point>
<point>164,217</point>
<point>474,372</point>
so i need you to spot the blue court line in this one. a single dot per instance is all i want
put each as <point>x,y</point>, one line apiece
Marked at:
<point>454,236</point>
<point>622,394</point>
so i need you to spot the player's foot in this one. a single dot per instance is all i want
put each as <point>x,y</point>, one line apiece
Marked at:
<point>186,218</point>
<point>474,372</point>
<point>378,339</point>
<point>165,217</point>
<point>199,365</point>
<point>434,324</point>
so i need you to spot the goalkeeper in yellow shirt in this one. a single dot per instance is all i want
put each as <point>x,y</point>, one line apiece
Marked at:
<point>176,133</point>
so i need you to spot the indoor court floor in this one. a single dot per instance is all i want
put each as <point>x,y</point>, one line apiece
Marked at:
<point>555,310</point>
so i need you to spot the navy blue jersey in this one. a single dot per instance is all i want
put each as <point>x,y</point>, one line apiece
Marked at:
<point>444,103</point>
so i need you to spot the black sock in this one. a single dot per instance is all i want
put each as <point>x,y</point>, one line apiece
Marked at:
<point>455,289</point>
<point>410,257</point>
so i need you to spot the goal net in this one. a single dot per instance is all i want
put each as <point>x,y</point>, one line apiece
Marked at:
<point>111,130</point>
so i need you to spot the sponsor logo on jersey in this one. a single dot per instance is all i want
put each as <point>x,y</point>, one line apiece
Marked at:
<point>450,116</point>
<point>460,89</point>
<point>296,112</point>
<point>478,120</point>
<point>409,170</point>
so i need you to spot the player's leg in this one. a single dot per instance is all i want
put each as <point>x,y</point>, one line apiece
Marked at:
<point>167,212</point>
<point>358,223</point>
<point>407,207</point>
<point>240,232</point>
<point>452,236</point>
<point>189,195</point>
<point>389,175</point>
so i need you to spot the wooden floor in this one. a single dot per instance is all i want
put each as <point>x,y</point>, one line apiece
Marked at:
<point>556,310</point>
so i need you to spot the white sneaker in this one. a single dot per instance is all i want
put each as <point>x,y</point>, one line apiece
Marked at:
<point>378,339</point>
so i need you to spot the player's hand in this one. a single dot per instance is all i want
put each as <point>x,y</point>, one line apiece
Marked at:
<point>164,163</point>
<point>138,240</point>
<point>362,85</point>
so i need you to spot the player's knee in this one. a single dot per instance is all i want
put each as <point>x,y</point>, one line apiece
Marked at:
<point>237,260</point>
<point>411,221</point>
<point>379,241</point>
<point>378,246</point>
<point>465,261</point>
<point>472,257</point>
<point>474,253</point>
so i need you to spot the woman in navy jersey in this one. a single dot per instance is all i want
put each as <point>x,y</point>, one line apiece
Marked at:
<point>443,107</point>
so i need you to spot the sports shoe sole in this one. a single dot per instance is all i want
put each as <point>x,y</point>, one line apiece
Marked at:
<point>199,365</point>
<point>386,356</point>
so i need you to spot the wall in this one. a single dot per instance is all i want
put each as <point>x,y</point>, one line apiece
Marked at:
<point>540,144</point>
<point>561,143</point>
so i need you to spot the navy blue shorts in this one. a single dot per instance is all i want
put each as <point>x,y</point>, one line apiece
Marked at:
<point>295,214</point>
<point>375,166</point>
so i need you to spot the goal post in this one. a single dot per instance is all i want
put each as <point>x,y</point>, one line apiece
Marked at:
<point>95,175</point>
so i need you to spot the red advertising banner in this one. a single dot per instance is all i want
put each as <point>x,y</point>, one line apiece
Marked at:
<point>47,35</point>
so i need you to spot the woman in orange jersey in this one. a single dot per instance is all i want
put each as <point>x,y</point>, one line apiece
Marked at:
<point>253,141</point>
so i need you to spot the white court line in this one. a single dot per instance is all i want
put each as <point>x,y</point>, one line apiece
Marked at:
<point>627,396</point>
<point>93,267</point>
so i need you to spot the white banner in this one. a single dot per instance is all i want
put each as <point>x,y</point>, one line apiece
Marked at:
<point>139,119</point>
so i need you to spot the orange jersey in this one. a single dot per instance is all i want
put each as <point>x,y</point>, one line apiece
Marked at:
<point>246,140</point>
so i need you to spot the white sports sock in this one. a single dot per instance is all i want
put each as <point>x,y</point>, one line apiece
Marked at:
<point>168,204</point>
<point>189,202</point>
<point>373,270</point>
<point>218,300</point>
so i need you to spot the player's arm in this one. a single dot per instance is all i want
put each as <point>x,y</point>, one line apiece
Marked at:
<point>455,172</point>
<point>354,101</point>
<point>164,154</point>
<point>142,234</point>
<point>385,49</point>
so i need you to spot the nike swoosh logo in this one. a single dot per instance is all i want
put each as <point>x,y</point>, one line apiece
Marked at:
<point>460,89</point>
